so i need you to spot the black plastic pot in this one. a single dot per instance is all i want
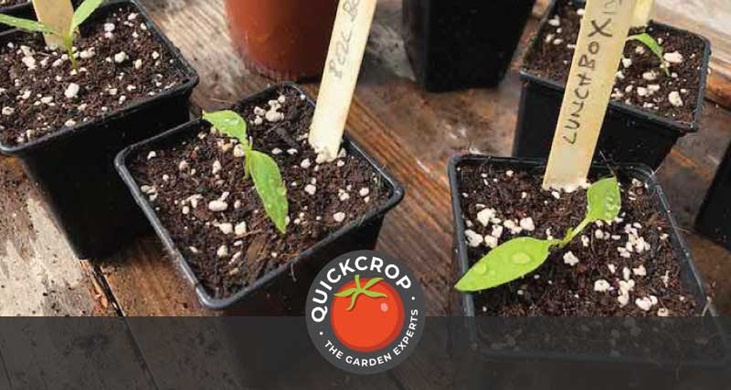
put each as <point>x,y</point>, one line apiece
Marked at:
<point>477,326</point>
<point>74,168</point>
<point>462,44</point>
<point>714,219</point>
<point>628,134</point>
<point>291,281</point>
<point>693,280</point>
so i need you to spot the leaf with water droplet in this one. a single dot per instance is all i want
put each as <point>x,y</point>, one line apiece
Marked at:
<point>229,123</point>
<point>603,200</point>
<point>270,187</point>
<point>507,262</point>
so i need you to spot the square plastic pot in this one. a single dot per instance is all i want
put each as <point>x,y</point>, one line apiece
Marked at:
<point>283,290</point>
<point>463,44</point>
<point>629,134</point>
<point>714,218</point>
<point>74,168</point>
<point>474,324</point>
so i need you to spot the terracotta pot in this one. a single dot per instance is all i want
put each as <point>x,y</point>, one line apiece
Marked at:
<point>282,39</point>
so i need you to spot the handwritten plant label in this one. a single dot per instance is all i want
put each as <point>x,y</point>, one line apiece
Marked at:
<point>345,56</point>
<point>602,36</point>
<point>57,15</point>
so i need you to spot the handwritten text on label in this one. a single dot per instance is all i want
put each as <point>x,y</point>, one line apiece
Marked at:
<point>600,29</point>
<point>342,46</point>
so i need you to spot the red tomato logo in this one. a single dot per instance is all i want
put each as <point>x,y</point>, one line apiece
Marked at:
<point>367,317</point>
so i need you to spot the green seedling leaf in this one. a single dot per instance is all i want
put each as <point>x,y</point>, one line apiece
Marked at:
<point>269,186</point>
<point>25,24</point>
<point>603,200</point>
<point>647,40</point>
<point>229,123</point>
<point>505,263</point>
<point>83,12</point>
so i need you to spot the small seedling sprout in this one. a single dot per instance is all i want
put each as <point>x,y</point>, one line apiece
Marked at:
<point>515,258</point>
<point>647,40</point>
<point>263,169</point>
<point>68,36</point>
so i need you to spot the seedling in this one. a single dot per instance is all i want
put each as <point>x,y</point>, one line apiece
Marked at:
<point>640,19</point>
<point>647,40</point>
<point>262,168</point>
<point>515,258</point>
<point>66,35</point>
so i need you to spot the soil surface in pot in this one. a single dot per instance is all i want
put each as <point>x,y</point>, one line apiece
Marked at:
<point>640,81</point>
<point>230,249</point>
<point>629,267</point>
<point>121,62</point>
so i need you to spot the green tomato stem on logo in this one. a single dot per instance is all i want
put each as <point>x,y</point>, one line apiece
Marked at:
<point>355,292</point>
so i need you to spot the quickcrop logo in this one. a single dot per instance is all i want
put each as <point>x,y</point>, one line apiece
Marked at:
<point>365,312</point>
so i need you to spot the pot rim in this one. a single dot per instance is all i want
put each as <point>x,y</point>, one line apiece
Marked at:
<point>63,133</point>
<point>206,299</point>
<point>672,124</point>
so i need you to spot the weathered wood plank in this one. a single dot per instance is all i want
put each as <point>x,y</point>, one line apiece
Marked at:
<point>39,274</point>
<point>146,282</point>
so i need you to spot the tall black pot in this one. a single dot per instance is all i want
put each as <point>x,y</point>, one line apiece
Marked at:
<point>572,351</point>
<point>714,219</point>
<point>455,45</point>
<point>629,134</point>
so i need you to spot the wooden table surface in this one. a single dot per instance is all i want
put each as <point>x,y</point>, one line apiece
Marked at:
<point>412,132</point>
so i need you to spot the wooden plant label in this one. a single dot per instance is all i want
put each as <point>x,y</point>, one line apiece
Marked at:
<point>602,37</point>
<point>643,10</point>
<point>56,14</point>
<point>347,47</point>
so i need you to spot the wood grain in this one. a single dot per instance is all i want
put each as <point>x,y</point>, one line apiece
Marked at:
<point>39,274</point>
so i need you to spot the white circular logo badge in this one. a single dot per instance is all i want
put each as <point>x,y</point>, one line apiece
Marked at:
<point>365,312</point>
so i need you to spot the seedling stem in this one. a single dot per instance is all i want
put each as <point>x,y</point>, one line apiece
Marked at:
<point>56,25</point>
